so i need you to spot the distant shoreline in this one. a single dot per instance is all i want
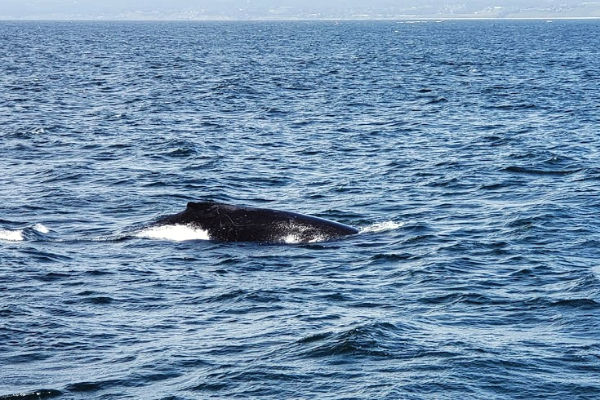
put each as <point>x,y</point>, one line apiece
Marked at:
<point>391,19</point>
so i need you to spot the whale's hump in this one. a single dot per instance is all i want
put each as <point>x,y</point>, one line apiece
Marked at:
<point>231,223</point>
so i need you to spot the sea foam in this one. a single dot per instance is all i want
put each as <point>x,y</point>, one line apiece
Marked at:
<point>177,233</point>
<point>12,236</point>
<point>381,227</point>
<point>41,228</point>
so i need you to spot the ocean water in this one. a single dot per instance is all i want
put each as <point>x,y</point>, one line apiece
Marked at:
<point>467,153</point>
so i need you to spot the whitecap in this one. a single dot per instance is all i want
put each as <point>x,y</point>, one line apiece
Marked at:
<point>12,236</point>
<point>381,227</point>
<point>177,233</point>
<point>41,228</point>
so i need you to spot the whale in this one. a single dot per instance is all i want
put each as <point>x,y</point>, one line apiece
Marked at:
<point>231,223</point>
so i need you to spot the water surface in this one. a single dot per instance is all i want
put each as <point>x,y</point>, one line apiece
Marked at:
<point>465,152</point>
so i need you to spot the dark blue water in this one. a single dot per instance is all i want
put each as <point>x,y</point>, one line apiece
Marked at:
<point>466,152</point>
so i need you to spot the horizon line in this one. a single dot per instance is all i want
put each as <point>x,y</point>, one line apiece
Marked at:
<point>292,19</point>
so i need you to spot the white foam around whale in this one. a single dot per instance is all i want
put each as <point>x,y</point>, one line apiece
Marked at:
<point>11,236</point>
<point>177,233</point>
<point>381,227</point>
<point>294,238</point>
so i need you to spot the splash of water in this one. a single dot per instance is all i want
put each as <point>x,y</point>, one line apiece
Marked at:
<point>41,228</point>
<point>177,233</point>
<point>381,227</point>
<point>11,236</point>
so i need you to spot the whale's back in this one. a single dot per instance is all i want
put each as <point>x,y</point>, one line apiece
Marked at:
<point>225,222</point>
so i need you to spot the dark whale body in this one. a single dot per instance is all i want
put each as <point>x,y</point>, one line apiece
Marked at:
<point>228,223</point>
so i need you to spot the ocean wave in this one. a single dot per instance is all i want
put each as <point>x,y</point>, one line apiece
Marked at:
<point>372,339</point>
<point>41,228</point>
<point>12,235</point>
<point>35,395</point>
<point>176,233</point>
<point>539,171</point>
<point>19,235</point>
